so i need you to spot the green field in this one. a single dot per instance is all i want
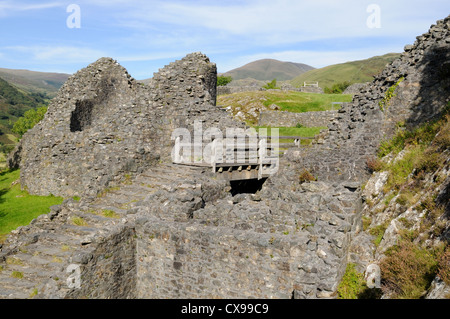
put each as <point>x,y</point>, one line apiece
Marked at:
<point>17,207</point>
<point>299,102</point>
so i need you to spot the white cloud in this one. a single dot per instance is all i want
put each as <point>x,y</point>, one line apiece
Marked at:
<point>7,7</point>
<point>55,54</point>
<point>274,22</point>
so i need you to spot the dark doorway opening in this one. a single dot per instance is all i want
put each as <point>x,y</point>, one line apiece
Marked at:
<point>249,186</point>
<point>81,116</point>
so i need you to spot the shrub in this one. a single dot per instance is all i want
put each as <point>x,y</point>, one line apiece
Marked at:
<point>223,80</point>
<point>374,164</point>
<point>408,270</point>
<point>429,162</point>
<point>337,88</point>
<point>306,176</point>
<point>271,85</point>
<point>444,266</point>
<point>442,140</point>
<point>29,120</point>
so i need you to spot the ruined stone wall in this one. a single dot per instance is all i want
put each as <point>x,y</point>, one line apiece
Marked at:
<point>289,240</point>
<point>103,124</point>
<point>194,261</point>
<point>289,119</point>
<point>109,270</point>
<point>222,90</point>
<point>422,80</point>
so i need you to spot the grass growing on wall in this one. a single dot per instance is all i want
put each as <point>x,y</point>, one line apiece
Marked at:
<point>410,266</point>
<point>352,284</point>
<point>17,207</point>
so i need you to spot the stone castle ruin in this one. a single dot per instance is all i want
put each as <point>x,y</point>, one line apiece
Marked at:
<point>148,228</point>
<point>103,125</point>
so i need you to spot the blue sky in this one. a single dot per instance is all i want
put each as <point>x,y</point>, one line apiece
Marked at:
<point>146,35</point>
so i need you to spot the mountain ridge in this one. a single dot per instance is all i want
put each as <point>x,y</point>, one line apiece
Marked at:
<point>269,69</point>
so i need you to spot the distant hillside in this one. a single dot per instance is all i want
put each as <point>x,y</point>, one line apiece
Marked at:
<point>32,81</point>
<point>269,69</point>
<point>13,104</point>
<point>353,72</point>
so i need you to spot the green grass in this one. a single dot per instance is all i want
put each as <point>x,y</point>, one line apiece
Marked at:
<point>299,102</point>
<point>423,149</point>
<point>352,283</point>
<point>17,207</point>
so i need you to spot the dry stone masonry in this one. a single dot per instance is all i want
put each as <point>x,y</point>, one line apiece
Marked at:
<point>421,78</point>
<point>103,125</point>
<point>288,119</point>
<point>176,231</point>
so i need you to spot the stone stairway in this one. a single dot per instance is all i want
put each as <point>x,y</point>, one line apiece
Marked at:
<point>36,257</point>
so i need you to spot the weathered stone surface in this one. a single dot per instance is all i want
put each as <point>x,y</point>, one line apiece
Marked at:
<point>361,125</point>
<point>103,125</point>
<point>287,119</point>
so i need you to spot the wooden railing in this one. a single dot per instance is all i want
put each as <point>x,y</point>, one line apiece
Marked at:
<point>243,153</point>
<point>239,154</point>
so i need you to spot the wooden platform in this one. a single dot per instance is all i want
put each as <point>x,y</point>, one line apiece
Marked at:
<point>254,158</point>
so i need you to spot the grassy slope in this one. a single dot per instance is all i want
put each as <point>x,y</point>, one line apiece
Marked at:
<point>14,103</point>
<point>31,81</point>
<point>354,72</point>
<point>17,207</point>
<point>21,90</point>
